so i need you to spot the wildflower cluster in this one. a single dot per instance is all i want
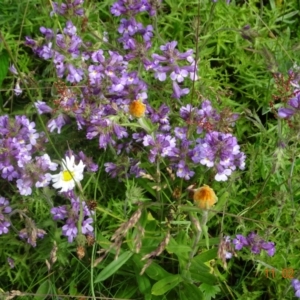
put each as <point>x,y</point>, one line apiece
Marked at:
<point>20,162</point>
<point>102,92</point>
<point>255,243</point>
<point>113,94</point>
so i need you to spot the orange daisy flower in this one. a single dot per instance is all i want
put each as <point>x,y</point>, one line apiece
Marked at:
<point>205,197</point>
<point>137,108</point>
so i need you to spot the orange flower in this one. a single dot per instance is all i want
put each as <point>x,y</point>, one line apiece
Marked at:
<point>137,108</point>
<point>205,197</point>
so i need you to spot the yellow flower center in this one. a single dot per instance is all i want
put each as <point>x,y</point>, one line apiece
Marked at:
<point>137,108</point>
<point>67,176</point>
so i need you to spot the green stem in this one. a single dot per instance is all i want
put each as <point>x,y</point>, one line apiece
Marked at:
<point>199,228</point>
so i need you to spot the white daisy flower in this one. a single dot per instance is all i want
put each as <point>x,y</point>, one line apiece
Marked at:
<point>70,174</point>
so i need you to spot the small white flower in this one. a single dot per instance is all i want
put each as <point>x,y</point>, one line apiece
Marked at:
<point>70,174</point>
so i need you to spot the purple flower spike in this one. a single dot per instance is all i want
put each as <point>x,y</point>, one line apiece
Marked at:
<point>69,214</point>
<point>255,243</point>
<point>219,150</point>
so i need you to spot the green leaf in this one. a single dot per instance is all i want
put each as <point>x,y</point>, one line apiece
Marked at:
<point>199,266</point>
<point>210,291</point>
<point>156,272</point>
<point>174,247</point>
<point>73,288</point>
<point>4,62</point>
<point>206,255</point>
<point>143,283</point>
<point>204,277</point>
<point>166,284</point>
<point>201,272</point>
<point>190,292</point>
<point>114,266</point>
<point>43,290</point>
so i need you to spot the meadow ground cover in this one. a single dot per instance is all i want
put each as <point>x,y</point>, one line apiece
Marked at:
<point>149,149</point>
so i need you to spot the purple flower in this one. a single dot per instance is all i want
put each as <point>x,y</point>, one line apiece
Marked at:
<point>46,51</point>
<point>269,247</point>
<point>59,9</point>
<point>31,234</point>
<point>170,63</point>
<point>179,74</point>
<point>117,8</point>
<point>88,162</point>
<point>24,185</point>
<point>124,7</point>
<point>161,117</point>
<point>13,69</point>
<point>95,74</point>
<point>162,145</point>
<point>21,141</point>
<point>70,214</point>
<point>42,107</point>
<point>75,74</point>
<point>239,242</point>
<point>183,171</point>
<point>18,91</point>
<point>4,206</point>
<point>178,92</point>
<point>255,243</point>
<point>70,29</point>
<point>296,285</point>
<point>87,228</point>
<point>135,169</point>
<point>4,225</point>
<point>112,169</point>
<point>70,8</point>
<point>59,213</point>
<point>98,56</point>
<point>58,123</point>
<point>74,47</point>
<point>221,151</point>
<point>70,230</point>
<point>48,33</point>
<point>294,107</point>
